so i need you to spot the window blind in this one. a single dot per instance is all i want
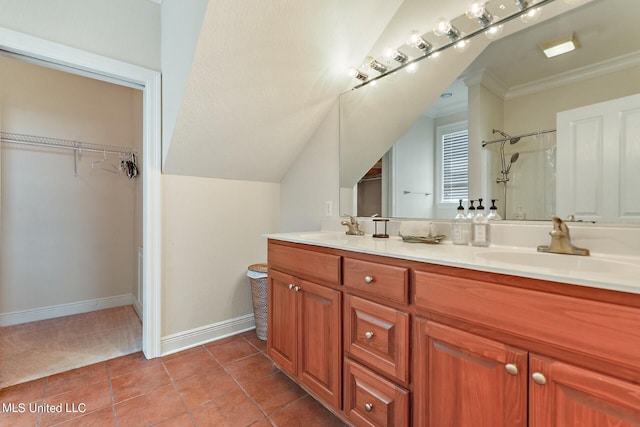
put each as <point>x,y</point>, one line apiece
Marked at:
<point>455,166</point>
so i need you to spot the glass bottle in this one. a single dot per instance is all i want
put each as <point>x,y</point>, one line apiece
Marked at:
<point>471,212</point>
<point>480,227</point>
<point>493,212</point>
<point>460,227</point>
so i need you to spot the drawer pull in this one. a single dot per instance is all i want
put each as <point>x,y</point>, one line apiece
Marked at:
<point>368,407</point>
<point>297,288</point>
<point>368,335</point>
<point>538,378</point>
<point>290,285</point>
<point>368,279</point>
<point>511,368</point>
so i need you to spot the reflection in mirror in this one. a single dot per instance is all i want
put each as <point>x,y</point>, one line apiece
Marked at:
<point>513,89</point>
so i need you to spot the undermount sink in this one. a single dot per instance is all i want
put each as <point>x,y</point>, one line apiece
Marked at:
<point>561,262</point>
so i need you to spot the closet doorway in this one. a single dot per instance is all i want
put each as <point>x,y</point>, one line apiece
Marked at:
<point>101,68</point>
<point>71,220</point>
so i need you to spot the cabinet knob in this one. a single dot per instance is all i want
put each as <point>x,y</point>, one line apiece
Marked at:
<point>368,407</point>
<point>538,378</point>
<point>368,279</point>
<point>297,288</point>
<point>511,368</point>
<point>290,285</point>
<point>368,335</point>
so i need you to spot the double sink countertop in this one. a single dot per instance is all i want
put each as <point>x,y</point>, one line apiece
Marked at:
<point>617,273</point>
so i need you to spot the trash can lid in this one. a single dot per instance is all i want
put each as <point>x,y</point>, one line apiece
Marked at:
<point>260,268</point>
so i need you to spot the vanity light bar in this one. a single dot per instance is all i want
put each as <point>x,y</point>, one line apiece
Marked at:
<point>444,27</point>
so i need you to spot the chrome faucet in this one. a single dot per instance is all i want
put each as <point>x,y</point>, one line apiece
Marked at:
<point>354,227</point>
<point>561,240</point>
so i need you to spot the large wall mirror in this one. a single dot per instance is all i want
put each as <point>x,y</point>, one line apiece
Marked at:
<point>562,163</point>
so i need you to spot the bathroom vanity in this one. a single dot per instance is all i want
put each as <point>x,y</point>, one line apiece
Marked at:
<point>388,333</point>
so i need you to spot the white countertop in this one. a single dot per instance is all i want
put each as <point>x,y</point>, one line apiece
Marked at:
<point>618,273</point>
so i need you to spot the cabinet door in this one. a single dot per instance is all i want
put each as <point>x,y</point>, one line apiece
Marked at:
<point>319,344</point>
<point>281,340</point>
<point>564,395</point>
<point>464,380</point>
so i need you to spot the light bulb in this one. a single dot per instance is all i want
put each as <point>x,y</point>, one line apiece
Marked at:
<point>392,54</point>
<point>355,73</point>
<point>443,27</point>
<point>412,68</point>
<point>416,40</point>
<point>378,66</point>
<point>461,46</point>
<point>494,31</point>
<point>531,15</point>
<point>478,11</point>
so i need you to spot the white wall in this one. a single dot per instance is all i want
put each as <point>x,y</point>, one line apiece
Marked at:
<point>127,30</point>
<point>65,238</point>
<point>181,22</point>
<point>212,231</point>
<point>312,180</point>
<point>413,170</point>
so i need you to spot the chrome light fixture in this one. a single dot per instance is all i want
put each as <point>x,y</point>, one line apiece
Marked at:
<point>396,55</point>
<point>443,27</point>
<point>522,4</point>
<point>378,66</point>
<point>354,72</point>
<point>418,42</point>
<point>479,12</point>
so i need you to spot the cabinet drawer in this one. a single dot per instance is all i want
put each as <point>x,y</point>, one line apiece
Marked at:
<point>305,263</point>
<point>602,330</point>
<point>373,401</point>
<point>382,280</point>
<point>377,335</point>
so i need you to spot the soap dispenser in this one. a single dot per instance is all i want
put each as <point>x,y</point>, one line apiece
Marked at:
<point>480,227</point>
<point>471,212</point>
<point>493,212</point>
<point>460,227</point>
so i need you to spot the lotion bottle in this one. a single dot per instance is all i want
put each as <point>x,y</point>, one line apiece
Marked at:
<point>460,227</point>
<point>480,227</point>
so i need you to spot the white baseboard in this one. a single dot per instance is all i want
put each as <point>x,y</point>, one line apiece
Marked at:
<point>52,311</point>
<point>204,334</point>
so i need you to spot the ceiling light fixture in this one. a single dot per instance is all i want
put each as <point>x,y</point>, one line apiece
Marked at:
<point>443,27</point>
<point>559,46</point>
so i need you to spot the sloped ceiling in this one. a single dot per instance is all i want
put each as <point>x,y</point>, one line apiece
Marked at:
<point>264,76</point>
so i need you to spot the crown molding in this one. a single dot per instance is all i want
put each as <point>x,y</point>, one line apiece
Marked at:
<point>590,71</point>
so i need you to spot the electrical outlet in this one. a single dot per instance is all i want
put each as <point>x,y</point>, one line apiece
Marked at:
<point>328,208</point>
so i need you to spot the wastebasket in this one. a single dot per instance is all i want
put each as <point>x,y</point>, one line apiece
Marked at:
<point>258,277</point>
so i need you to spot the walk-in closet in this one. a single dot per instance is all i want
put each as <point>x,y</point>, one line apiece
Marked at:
<point>71,220</point>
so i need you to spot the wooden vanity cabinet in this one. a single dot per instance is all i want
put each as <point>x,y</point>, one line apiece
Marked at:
<point>497,381</point>
<point>464,380</point>
<point>305,325</point>
<point>376,343</point>
<point>414,344</point>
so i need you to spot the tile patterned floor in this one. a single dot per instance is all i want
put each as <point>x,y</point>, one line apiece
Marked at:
<point>229,382</point>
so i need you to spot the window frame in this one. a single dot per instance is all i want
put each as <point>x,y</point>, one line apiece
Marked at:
<point>441,131</point>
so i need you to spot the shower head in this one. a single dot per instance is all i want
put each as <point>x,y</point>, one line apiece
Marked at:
<point>514,158</point>
<point>511,140</point>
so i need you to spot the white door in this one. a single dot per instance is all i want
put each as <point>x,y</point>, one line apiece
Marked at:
<point>598,161</point>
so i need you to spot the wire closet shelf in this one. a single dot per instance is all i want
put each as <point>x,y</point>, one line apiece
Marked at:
<point>77,147</point>
<point>41,141</point>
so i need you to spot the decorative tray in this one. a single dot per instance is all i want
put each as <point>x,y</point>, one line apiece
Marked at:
<point>423,239</point>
